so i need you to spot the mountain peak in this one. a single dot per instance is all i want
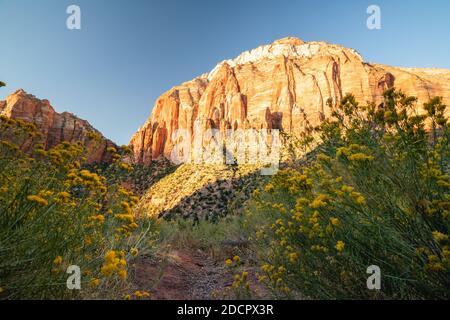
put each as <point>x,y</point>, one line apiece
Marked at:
<point>284,85</point>
<point>289,41</point>
<point>20,94</point>
<point>291,47</point>
<point>55,127</point>
<point>19,91</point>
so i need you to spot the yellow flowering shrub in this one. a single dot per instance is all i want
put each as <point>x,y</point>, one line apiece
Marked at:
<point>241,286</point>
<point>54,213</point>
<point>375,192</point>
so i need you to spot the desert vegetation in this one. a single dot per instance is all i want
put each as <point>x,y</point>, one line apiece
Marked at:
<point>376,193</point>
<point>54,213</point>
<point>371,188</point>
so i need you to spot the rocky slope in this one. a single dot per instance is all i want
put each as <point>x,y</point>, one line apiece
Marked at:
<point>56,127</point>
<point>200,192</point>
<point>283,85</point>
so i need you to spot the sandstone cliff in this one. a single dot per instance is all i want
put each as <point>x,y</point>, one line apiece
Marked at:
<point>283,85</point>
<point>56,127</point>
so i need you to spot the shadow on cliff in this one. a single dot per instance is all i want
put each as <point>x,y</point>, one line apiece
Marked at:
<point>217,199</point>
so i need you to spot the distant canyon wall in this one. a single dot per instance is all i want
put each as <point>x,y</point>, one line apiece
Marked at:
<point>283,85</point>
<point>56,127</point>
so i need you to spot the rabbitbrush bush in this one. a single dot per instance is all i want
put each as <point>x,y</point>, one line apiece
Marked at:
<point>53,214</point>
<point>377,193</point>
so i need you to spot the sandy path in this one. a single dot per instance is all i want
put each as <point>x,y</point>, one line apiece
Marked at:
<point>184,274</point>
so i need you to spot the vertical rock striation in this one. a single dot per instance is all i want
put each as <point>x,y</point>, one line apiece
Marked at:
<point>56,127</point>
<point>283,85</point>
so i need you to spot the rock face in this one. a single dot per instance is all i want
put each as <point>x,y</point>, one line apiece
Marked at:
<point>200,192</point>
<point>283,85</point>
<point>56,127</point>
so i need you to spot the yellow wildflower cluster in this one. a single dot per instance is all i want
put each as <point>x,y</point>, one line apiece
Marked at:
<point>375,183</point>
<point>340,245</point>
<point>438,263</point>
<point>63,197</point>
<point>9,146</point>
<point>94,282</point>
<point>353,153</point>
<point>439,236</point>
<point>38,199</point>
<point>92,135</point>
<point>334,221</point>
<point>240,287</point>
<point>17,124</point>
<point>293,257</point>
<point>291,181</point>
<point>134,252</point>
<point>99,218</point>
<point>241,280</point>
<point>274,276</point>
<point>138,295</point>
<point>90,180</point>
<point>127,220</point>
<point>323,157</point>
<point>114,263</point>
<point>126,166</point>
<point>269,188</point>
<point>57,262</point>
<point>65,153</point>
<point>54,206</point>
<point>319,201</point>
<point>232,262</point>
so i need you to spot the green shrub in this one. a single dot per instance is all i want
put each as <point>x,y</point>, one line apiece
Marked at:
<point>54,214</point>
<point>377,193</point>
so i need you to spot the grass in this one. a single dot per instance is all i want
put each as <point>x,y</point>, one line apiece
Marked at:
<point>375,191</point>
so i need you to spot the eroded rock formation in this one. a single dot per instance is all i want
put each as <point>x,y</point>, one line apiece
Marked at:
<point>283,85</point>
<point>56,127</point>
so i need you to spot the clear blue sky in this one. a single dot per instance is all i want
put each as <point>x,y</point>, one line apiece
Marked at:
<point>128,52</point>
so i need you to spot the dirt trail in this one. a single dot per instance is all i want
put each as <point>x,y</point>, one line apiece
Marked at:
<point>178,274</point>
<point>185,274</point>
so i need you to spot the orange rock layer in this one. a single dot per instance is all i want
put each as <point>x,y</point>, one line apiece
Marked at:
<point>55,127</point>
<point>283,85</point>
